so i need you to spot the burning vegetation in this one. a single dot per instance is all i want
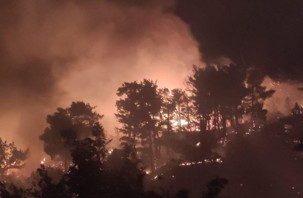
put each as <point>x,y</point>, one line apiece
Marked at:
<point>230,127</point>
<point>165,135</point>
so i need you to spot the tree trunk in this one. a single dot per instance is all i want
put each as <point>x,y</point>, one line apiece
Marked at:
<point>224,124</point>
<point>152,166</point>
<point>179,117</point>
<point>203,123</point>
<point>252,105</point>
<point>168,121</point>
<point>188,118</point>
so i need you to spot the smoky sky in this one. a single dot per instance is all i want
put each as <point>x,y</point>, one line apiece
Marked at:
<point>55,52</point>
<point>266,34</point>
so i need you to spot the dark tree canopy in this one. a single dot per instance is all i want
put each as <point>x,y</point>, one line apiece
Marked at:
<point>85,176</point>
<point>139,111</point>
<point>66,126</point>
<point>217,90</point>
<point>254,102</point>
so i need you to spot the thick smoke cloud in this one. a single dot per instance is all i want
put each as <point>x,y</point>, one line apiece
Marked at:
<point>55,52</point>
<point>267,34</point>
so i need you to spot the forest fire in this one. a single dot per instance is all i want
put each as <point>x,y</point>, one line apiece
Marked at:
<point>151,99</point>
<point>205,161</point>
<point>43,161</point>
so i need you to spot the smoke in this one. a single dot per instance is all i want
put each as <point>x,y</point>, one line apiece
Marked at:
<point>266,34</point>
<point>263,34</point>
<point>56,52</point>
<point>287,93</point>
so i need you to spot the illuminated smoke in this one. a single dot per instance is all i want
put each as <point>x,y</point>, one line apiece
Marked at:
<point>56,52</point>
<point>285,96</point>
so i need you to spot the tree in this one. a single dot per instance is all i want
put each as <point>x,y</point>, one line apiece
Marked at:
<point>11,157</point>
<point>45,187</point>
<point>233,90</point>
<point>139,111</point>
<point>181,100</point>
<point>129,112</point>
<point>254,102</point>
<point>125,172</point>
<point>3,191</point>
<point>92,174</point>
<point>176,108</point>
<point>167,109</point>
<point>86,176</point>
<point>65,127</point>
<point>11,191</point>
<point>188,112</point>
<point>200,86</point>
<point>217,93</point>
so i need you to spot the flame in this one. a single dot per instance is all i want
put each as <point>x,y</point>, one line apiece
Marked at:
<point>182,122</point>
<point>147,172</point>
<point>205,161</point>
<point>110,151</point>
<point>43,161</point>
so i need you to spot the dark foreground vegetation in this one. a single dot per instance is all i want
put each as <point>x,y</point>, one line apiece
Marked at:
<point>212,140</point>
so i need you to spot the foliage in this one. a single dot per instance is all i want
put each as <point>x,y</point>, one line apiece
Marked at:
<point>45,187</point>
<point>85,176</point>
<point>11,157</point>
<point>217,93</point>
<point>138,111</point>
<point>254,101</point>
<point>66,126</point>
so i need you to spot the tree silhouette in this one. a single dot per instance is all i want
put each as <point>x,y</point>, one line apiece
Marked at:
<point>176,107</point>
<point>45,187</point>
<point>125,172</point>
<point>188,112</point>
<point>3,192</point>
<point>254,102</point>
<point>200,83</point>
<point>86,176</point>
<point>66,126</point>
<point>217,94</point>
<point>94,173</point>
<point>128,112</point>
<point>11,157</point>
<point>232,90</point>
<point>10,190</point>
<point>182,104</point>
<point>167,110</point>
<point>139,112</point>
